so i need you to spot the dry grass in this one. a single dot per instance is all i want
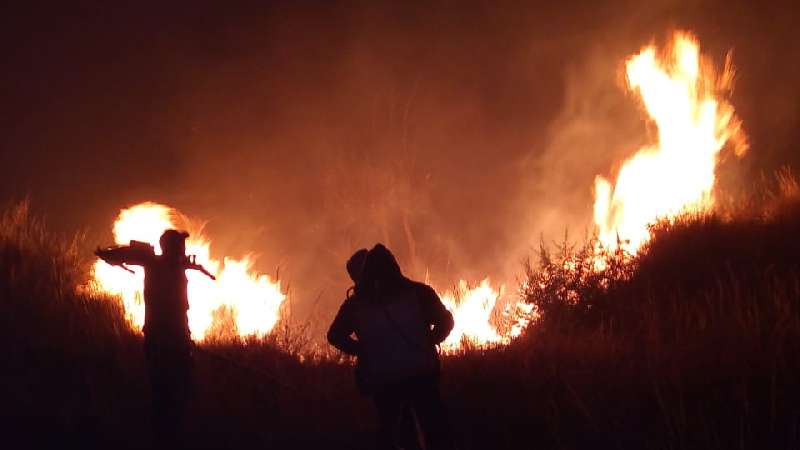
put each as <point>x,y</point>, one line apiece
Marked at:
<point>695,348</point>
<point>692,344</point>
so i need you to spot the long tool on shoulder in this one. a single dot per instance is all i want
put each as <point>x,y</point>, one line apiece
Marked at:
<point>191,264</point>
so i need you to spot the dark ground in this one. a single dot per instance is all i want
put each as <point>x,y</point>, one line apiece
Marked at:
<point>694,348</point>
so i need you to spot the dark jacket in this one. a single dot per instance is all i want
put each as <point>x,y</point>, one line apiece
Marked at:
<point>396,335</point>
<point>166,300</point>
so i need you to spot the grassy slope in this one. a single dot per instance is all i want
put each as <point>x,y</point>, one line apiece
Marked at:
<point>698,349</point>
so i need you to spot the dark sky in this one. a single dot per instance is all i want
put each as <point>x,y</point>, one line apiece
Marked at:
<point>456,132</point>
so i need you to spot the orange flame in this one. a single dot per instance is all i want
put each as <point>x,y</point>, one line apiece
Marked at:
<point>473,309</point>
<point>254,300</point>
<point>681,94</point>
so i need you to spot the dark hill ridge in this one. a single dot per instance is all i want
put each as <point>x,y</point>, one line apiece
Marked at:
<point>695,348</point>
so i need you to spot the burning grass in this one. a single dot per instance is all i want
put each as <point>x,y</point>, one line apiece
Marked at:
<point>690,344</point>
<point>695,348</point>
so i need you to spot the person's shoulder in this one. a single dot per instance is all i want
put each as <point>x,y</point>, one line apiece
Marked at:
<point>423,289</point>
<point>353,300</point>
<point>157,261</point>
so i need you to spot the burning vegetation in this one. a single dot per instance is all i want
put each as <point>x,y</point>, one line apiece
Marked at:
<point>250,301</point>
<point>244,303</point>
<point>702,333</point>
<point>671,328</point>
<point>683,96</point>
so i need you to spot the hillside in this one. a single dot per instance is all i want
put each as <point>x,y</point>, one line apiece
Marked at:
<point>692,344</point>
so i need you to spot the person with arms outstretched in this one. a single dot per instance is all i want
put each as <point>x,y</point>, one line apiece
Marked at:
<point>167,340</point>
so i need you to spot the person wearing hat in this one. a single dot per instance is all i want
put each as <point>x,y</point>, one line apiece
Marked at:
<point>167,340</point>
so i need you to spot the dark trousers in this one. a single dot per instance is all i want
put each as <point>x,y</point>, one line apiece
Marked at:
<point>170,370</point>
<point>399,404</point>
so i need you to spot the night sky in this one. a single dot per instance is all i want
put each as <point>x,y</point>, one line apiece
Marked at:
<point>304,130</point>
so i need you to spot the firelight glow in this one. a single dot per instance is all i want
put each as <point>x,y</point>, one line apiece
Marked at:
<point>683,97</point>
<point>471,309</point>
<point>474,310</point>
<point>254,300</point>
<point>681,94</point>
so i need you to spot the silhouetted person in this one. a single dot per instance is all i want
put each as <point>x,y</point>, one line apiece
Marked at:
<point>167,340</point>
<point>397,324</point>
<point>407,434</point>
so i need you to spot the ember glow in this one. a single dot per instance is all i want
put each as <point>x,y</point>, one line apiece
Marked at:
<point>683,96</point>
<point>253,300</point>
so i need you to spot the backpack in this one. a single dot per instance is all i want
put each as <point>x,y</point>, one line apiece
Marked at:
<point>395,338</point>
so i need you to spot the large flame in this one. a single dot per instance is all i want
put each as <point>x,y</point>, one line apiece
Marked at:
<point>683,96</point>
<point>252,300</point>
<point>474,310</point>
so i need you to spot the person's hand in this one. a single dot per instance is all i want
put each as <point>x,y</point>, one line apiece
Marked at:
<point>107,255</point>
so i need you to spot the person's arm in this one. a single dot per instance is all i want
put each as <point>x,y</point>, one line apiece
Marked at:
<point>437,315</point>
<point>339,334</point>
<point>191,264</point>
<point>125,255</point>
